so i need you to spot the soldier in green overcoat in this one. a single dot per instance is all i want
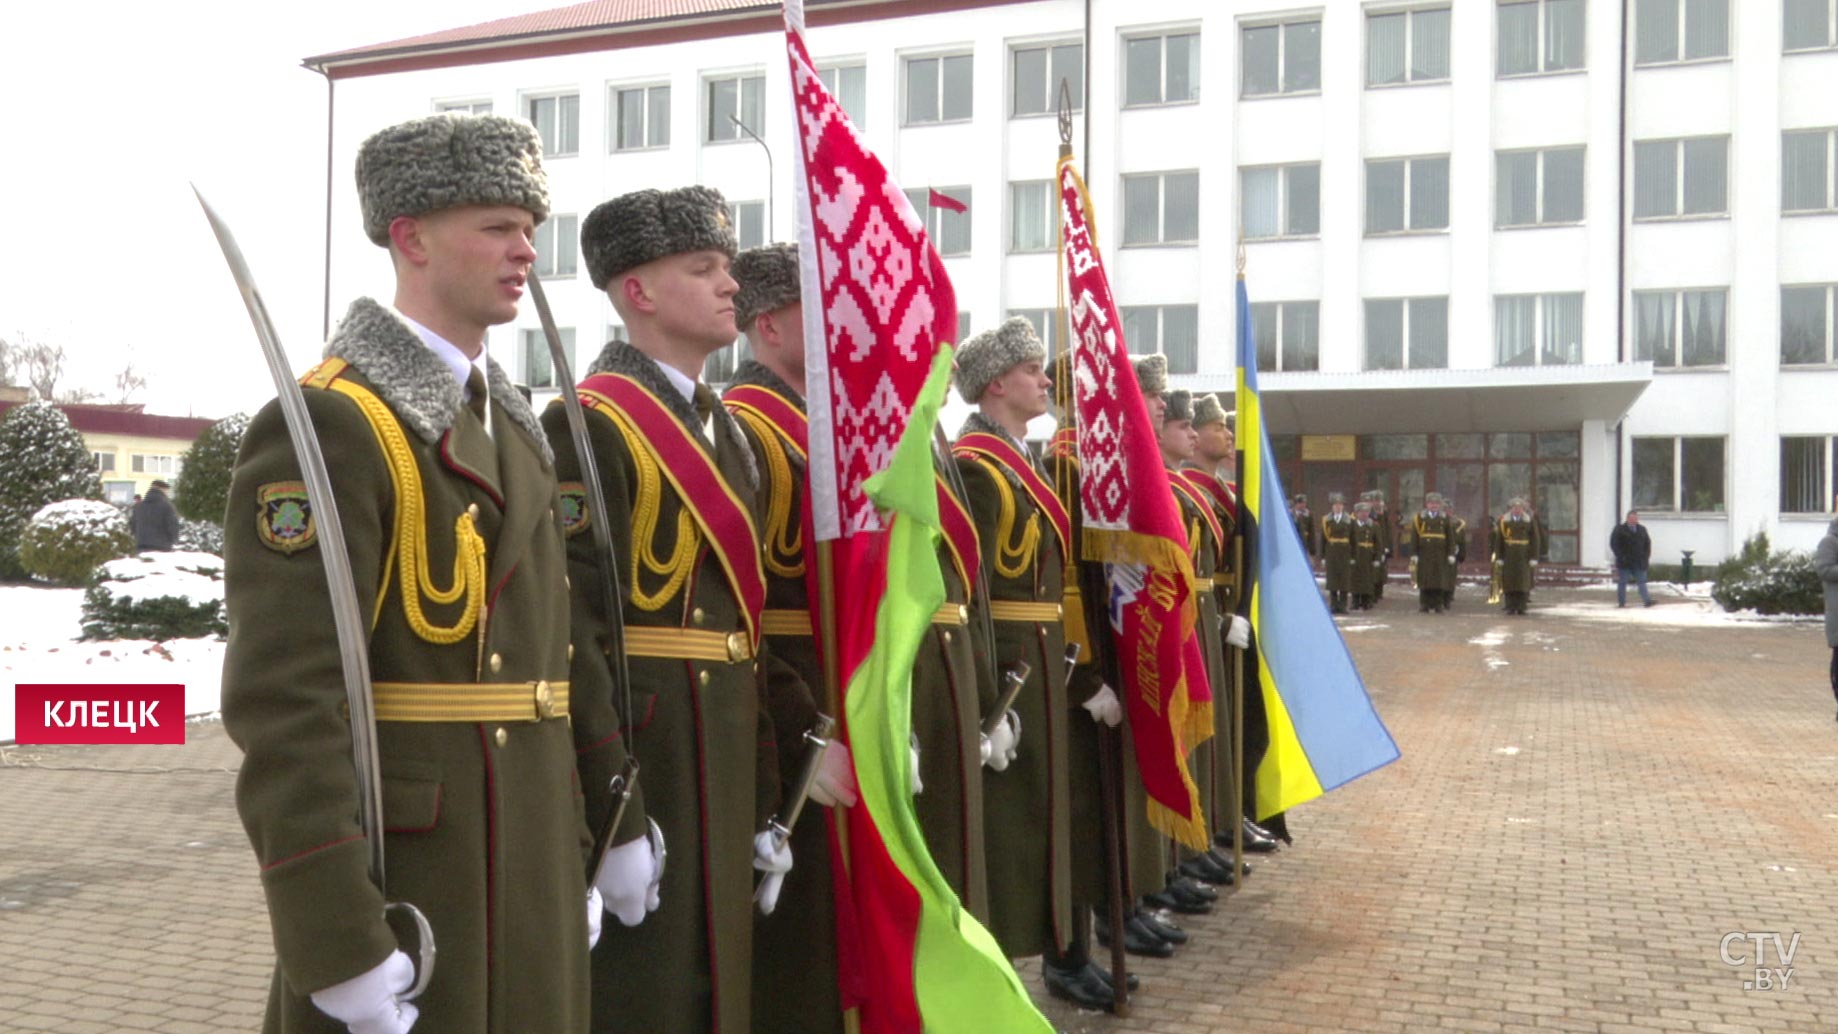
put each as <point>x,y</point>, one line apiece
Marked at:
<point>489,726</point>
<point>1336,551</point>
<point>1518,545</point>
<point>1368,557</point>
<point>690,572</point>
<point>1430,542</point>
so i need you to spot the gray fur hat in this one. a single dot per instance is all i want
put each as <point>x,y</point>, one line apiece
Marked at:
<point>1207,410</point>
<point>1301,498</point>
<point>1152,374</point>
<point>1433,497</point>
<point>993,353</point>
<point>440,161</point>
<point>768,278</point>
<point>1180,405</point>
<point>1336,497</point>
<point>1362,507</point>
<point>645,225</point>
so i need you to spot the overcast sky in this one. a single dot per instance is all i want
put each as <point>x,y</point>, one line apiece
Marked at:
<point>109,111</point>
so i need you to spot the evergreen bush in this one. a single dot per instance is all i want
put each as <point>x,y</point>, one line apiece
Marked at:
<point>66,541</point>
<point>157,596</point>
<point>42,460</point>
<point>202,490</point>
<point>1769,582</point>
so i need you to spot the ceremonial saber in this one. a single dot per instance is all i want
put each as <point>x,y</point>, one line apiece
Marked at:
<point>347,617</point>
<point>1013,679</point>
<point>623,784</point>
<point>817,739</point>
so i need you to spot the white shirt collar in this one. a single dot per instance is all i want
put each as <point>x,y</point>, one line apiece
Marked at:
<point>449,353</point>
<point>683,383</point>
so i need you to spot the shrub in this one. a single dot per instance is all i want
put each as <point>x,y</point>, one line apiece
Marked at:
<point>1767,582</point>
<point>66,541</point>
<point>42,460</point>
<point>157,596</point>
<point>200,537</point>
<point>202,491</point>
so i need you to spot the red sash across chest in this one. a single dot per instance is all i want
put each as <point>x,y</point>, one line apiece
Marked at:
<point>1221,492</point>
<point>1200,500</point>
<point>982,445</point>
<point>793,425</point>
<point>718,513</point>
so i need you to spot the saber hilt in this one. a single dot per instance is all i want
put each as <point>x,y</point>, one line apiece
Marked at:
<point>621,787</point>
<point>1013,679</point>
<point>816,740</point>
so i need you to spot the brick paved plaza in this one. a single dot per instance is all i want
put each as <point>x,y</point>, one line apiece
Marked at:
<point>1584,810</point>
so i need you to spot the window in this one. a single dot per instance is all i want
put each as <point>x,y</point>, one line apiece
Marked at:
<point>1678,475</point>
<point>1538,188</point>
<point>558,121</point>
<point>558,242</point>
<point>1681,30</point>
<point>963,326</point>
<point>748,218</point>
<point>641,117</point>
<point>736,97</point>
<point>1033,223</point>
<point>1674,178</point>
<point>938,89</point>
<point>849,85</point>
<point>1807,171</point>
<point>1407,47</point>
<point>463,107</point>
<point>146,463</point>
<point>105,462</point>
<point>1048,325</point>
<point>1282,58</point>
<point>1288,336</point>
<point>1537,329</point>
<point>1173,330</point>
<point>1807,25</point>
<point>720,367</point>
<point>1809,469</point>
<point>1280,201</point>
<point>1407,333</point>
<point>1681,328</point>
<point>1161,208</point>
<point>1038,71</point>
<point>538,367</point>
<point>949,229</point>
<point>1806,325</point>
<point>1161,69</point>
<point>1407,195</point>
<point>1540,36</point>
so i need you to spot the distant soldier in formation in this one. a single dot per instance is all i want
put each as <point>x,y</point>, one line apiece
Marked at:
<point>1368,561</point>
<point>1305,524</point>
<point>1388,540</point>
<point>1458,538</point>
<point>1336,551</point>
<point>1429,542</point>
<point>1518,545</point>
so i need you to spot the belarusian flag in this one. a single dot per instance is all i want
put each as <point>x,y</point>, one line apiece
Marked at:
<point>878,313</point>
<point>1133,526</point>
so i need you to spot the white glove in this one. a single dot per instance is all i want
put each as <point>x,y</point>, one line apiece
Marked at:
<point>987,749</point>
<point>1002,743</point>
<point>367,1003</point>
<point>913,746</point>
<point>1534,563</point>
<point>1105,707</point>
<point>1239,634</point>
<point>596,906</point>
<point>628,878</point>
<point>775,864</point>
<point>1451,558</point>
<point>835,782</point>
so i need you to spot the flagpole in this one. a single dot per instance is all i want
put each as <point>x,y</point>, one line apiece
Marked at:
<point>1239,689</point>
<point>826,632</point>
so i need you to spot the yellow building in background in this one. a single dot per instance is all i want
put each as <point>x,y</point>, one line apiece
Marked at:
<point>132,449</point>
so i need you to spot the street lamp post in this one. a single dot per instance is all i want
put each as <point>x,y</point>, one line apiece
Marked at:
<point>771,234</point>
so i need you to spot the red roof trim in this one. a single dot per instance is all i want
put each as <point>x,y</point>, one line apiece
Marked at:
<point>113,420</point>
<point>445,50</point>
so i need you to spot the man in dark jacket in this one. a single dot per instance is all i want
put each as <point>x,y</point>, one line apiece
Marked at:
<point>1825,560</point>
<point>154,522</point>
<point>1633,548</point>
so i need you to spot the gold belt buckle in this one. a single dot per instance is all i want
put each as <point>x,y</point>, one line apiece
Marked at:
<point>737,647</point>
<point>545,701</point>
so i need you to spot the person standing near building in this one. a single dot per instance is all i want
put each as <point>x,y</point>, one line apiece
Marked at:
<point>154,522</point>
<point>1517,545</point>
<point>1633,549</point>
<point>1430,543</point>
<point>680,490</point>
<point>1337,551</point>
<point>1305,524</point>
<point>1825,560</point>
<point>1368,557</point>
<point>1458,542</point>
<point>485,751</point>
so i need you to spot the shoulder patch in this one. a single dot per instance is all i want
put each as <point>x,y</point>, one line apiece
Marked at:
<point>574,512</point>
<point>284,516</point>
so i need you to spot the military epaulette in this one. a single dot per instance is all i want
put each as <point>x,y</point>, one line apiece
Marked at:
<point>322,375</point>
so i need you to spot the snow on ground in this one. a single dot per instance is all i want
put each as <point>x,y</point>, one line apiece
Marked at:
<point>38,630</point>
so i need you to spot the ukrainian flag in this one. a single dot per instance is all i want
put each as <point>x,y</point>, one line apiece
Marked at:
<point>1324,732</point>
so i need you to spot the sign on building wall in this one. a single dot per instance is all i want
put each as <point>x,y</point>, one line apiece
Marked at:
<point>1317,447</point>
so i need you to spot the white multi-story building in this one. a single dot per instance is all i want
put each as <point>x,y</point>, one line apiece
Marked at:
<point>1580,250</point>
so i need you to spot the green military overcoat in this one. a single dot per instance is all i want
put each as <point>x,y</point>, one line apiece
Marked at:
<point>1517,542</point>
<point>484,822</point>
<point>1430,539</point>
<point>1337,551</point>
<point>698,728</point>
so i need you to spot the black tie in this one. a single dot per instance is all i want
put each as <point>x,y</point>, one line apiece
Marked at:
<point>705,411</point>
<point>477,393</point>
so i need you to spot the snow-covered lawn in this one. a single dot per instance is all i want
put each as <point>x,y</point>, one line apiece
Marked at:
<point>38,633</point>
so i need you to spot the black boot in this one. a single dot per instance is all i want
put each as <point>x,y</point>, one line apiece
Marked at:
<point>1207,867</point>
<point>1166,929</point>
<point>1079,985</point>
<point>1109,981</point>
<point>1137,939</point>
<point>1184,896</point>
